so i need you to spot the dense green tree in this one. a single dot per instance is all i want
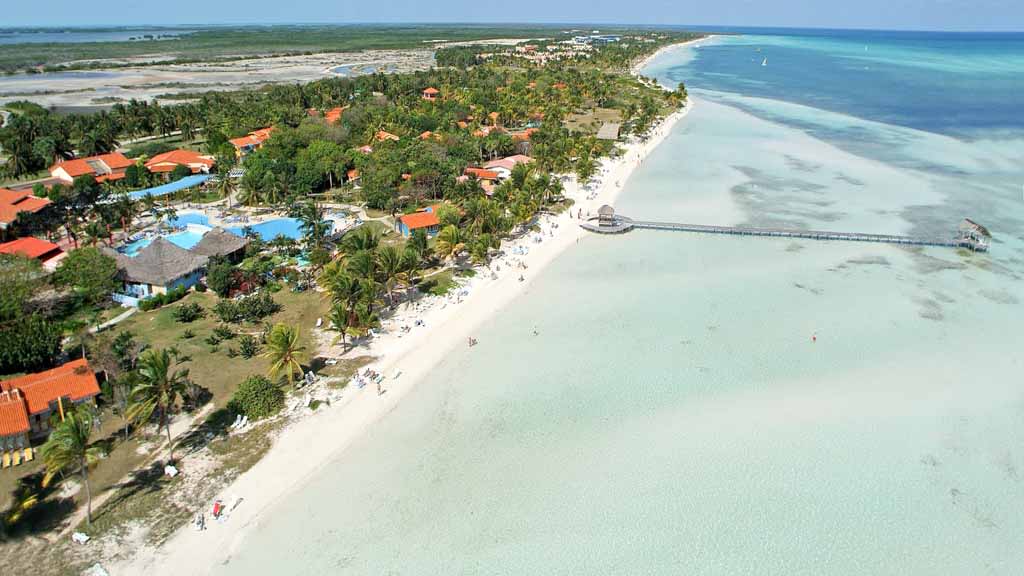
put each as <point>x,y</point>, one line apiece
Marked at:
<point>91,274</point>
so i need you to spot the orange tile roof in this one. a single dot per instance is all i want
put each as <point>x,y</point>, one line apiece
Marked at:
<point>74,380</point>
<point>383,135</point>
<point>432,90</point>
<point>13,414</point>
<point>426,135</point>
<point>14,202</point>
<point>334,114</point>
<point>81,166</point>
<point>481,173</point>
<point>168,160</point>
<point>462,124</point>
<point>423,219</point>
<point>29,247</point>
<point>255,138</point>
<point>352,174</point>
<point>110,177</point>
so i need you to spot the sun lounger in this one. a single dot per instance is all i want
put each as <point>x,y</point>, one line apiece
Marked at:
<point>15,458</point>
<point>28,455</point>
<point>7,460</point>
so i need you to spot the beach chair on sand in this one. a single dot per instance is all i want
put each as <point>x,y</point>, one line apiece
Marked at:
<point>28,455</point>
<point>15,458</point>
<point>6,461</point>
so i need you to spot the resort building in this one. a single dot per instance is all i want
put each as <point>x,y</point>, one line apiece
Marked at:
<point>158,268</point>
<point>609,131</point>
<point>431,94</point>
<point>425,220</point>
<point>27,402</point>
<point>168,161</point>
<point>13,203</point>
<point>251,142</point>
<point>333,116</point>
<point>105,167</point>
<point>219,242</point>
<point>48,253</point>
<point>382,136</point>
<point>504,166</point>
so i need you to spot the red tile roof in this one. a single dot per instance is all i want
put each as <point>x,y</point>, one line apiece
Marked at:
<point>74,380</point>
<point>423,219</point>
<point>82,166</point>
<point>13,414</point>
<point>432,90</point>
<point>334,114</point>
<point>256,138</point>
<point>13,202</point>
<point>481,173</point>
<point>168,160</point>
<point>383,135</point>
<point>29,247</point>
<point>352,174</point>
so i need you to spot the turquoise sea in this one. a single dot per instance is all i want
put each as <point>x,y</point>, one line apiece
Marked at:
<point>674,415</point>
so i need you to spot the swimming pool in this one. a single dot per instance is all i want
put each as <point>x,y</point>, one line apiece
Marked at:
<point>195,223</point>
<point>186,239</point>
<point>288,227</point>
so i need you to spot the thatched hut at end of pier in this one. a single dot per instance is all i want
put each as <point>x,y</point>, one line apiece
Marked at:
<point>972,235</point>
<point>606,216</point>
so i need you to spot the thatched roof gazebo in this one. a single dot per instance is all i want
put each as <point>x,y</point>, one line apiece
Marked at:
<point>606,215</point>
<point>160,263</point>
<point>973,235</point>
<point>220,242</point>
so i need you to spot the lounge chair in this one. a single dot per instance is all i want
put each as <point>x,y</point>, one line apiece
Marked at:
<point>15,458</point>
<point>7,460</point>
<point>28,455</point>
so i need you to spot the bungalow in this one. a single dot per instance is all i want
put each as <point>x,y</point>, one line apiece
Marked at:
<point>26,403</point>
<point>13,203</point>
<point>367,149</point>
<point>105,167</point>
<point>481,174</point>
<point>425,219</point>
<point>250,142</point>
<point>158,268</point>
<point>352,177</point>
<point>48,253</point>
<point>504,166</point>
<point>382,136</point>
<point>219,242</point>
<point>168,161</point>
<point>609,131</point>
<point>431,93</point>
<point>333,116</point>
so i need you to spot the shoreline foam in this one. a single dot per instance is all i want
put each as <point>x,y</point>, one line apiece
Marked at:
<point>308,445</point>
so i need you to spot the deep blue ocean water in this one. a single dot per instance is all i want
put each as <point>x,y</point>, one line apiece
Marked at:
<point>951,83</point>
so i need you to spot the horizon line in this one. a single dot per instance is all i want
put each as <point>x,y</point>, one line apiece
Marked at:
<point>543,24</point>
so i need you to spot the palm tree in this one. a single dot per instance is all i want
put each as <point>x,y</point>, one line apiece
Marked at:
<point>389,265</point>
<point>225,186</point>
<point>312,222</point>
<point>284,351</point>
<point>67,446</point>
<point>339,320</point>
<point>161,385</point>
<point>450,242</point>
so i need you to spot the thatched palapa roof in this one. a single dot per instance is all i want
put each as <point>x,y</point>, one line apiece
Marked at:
<point>219,242</point>
<point>159,263</point>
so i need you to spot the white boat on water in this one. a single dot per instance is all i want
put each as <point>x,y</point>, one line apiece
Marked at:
<point>764,62</point>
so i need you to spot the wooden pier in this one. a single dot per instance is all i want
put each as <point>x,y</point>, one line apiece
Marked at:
<point>970,235</point>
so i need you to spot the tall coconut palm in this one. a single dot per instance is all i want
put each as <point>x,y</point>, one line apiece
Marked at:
<point>284,351</point>
<point>450,242</point>
<point>161,386</point>
<point>339,319</point>
<point>389,266</point>
<point>68,446</point>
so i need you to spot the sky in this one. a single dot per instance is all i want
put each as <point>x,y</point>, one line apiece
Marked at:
<point>875,14</point>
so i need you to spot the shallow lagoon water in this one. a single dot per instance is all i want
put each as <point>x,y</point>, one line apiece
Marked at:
<point>674,414</point>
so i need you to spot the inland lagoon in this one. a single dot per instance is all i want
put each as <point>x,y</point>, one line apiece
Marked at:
<point>670,403</point>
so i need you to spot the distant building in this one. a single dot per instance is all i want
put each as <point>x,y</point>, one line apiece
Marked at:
<point>609,131</point>
<point>425,219</point>
<point>48,253</point>
<point>504,166</point>
<point>105,167</point>
<point>333,116</point>
<point>168,161</point>
<point>26,403</point>
<point>972,235</point>
<point>431,93</point>
<point>251,142</point>
<point>383,135</point>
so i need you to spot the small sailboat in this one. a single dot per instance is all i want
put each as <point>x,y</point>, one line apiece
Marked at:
<point>764,62</point>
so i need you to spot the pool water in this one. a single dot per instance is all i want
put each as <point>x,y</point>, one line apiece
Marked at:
<point>288,227</point>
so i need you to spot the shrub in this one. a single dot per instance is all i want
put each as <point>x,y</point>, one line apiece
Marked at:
<point>212,340</point>
<point>201,287</point>
<point>231,352</point>
<point>258,306</point>
<point>188,334</point>
<point>163,299</point>
<point>29,344</point>
<point>248,346</point>
<point>257,398</point>
<point>220,275</point>
<point>228,311</point>
<point>223,332</point>
<point>189,312</point>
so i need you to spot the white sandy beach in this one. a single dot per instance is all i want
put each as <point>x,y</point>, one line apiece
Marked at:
<point>309,444</point>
